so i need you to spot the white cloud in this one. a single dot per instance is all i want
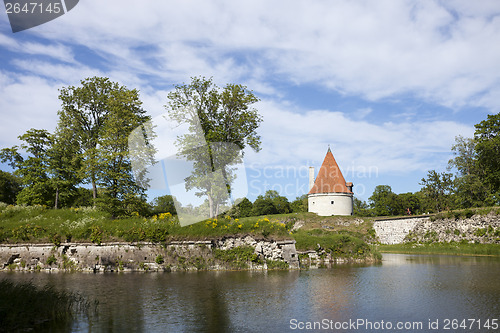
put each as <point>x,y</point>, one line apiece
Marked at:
<point>26,102</point>
<point>444,53</point>
<point>292,138</point>
<point>57,51</point>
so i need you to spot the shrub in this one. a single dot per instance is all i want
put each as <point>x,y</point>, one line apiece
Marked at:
<point>277,264</point>
<point>51,260</point>
<point>96,234</point>
<point>468,213</point>
<point>159,259</point>
<point>480,232</point>
<point>157,235</point>
<point>25,232</point>
<point>238,256</point>
<point>56,239</point>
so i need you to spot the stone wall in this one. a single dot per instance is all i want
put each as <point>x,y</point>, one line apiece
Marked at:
<point>184,255</point>
<point>394,231</point>
<point>483,229</point>
<point>477,229</point>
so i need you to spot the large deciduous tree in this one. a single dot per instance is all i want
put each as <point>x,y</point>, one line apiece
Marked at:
<point>34,168</point>
<point>470,189</point>
<point>98,117</point>
<point>437,189</point>
<point>48,170</point>
<point>226,121</point>
<point>487,137</point>
<point>10,185</point>
<point>384,202</point>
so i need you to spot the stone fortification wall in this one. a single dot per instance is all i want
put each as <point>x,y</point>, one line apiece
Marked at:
<point>476,229</point>
<point>483,229</point>
<point>394,231</point>
<point>181,255</point>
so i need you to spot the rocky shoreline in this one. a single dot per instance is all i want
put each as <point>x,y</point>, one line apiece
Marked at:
<point>129,257</point>
<point>227,253</point>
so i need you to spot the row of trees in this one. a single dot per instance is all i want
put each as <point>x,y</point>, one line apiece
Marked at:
<point>91,146</point>
<point>269,203</point>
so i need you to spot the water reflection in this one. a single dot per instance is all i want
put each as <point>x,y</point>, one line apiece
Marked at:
<point>403,288</point>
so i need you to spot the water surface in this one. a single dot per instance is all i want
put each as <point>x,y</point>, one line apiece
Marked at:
<point>406,289</point>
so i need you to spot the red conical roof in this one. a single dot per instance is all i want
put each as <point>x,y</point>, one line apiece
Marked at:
<point>330,178</point>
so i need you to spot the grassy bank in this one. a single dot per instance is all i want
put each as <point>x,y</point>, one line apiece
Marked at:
<point>25,307</point>
<point>340,236</point>
<point>37,224</point>
<point>442,248</point>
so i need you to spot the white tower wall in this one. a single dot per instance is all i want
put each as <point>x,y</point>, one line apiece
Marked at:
<point>327,204</point>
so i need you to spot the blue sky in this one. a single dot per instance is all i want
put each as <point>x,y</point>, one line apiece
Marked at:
<point>388,84</point>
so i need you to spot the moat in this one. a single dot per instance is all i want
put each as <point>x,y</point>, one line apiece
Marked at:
<point>408,290</point>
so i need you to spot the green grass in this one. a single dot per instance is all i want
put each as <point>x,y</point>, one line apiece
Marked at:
<point>37,224</point>
<point>338,244</point>
<point>452,248</point>
<point>25,307</point>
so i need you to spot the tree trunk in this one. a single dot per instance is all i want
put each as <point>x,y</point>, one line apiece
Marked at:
<point>216,209</point>
<point>211,206</point>
<point>94,190</point>
<point>57,198</point>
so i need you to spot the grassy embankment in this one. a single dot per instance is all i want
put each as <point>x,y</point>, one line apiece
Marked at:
<point>26,307</point>
<point>464,249</point>
<point>36,224</point>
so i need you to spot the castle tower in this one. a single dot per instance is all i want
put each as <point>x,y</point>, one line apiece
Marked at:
<point>330,194</point>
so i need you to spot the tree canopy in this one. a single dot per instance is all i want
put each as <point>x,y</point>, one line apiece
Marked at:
<point>222,123</point>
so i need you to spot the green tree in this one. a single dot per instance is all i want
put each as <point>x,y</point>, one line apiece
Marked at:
<point>487,138</point>
<point>361,208</point>
<point>34,169</point>
<point>47,173</point>
<point>409,201</point>
<point>242,209</point>
<point>263,206</point>
<point>225,120</point>
<point>82,198</point>
<point>10,186</point>
<point>279,202</point>
<point>384,202</point>
<point>300,204</point>
<point>164,204</point>
<point>437,189</point>
<point>245,207</point>
<point>100,115</point>
<point>470,190</point>
<point>63,165</point>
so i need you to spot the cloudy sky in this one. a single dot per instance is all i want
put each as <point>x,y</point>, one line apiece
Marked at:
<point>387,84</point>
